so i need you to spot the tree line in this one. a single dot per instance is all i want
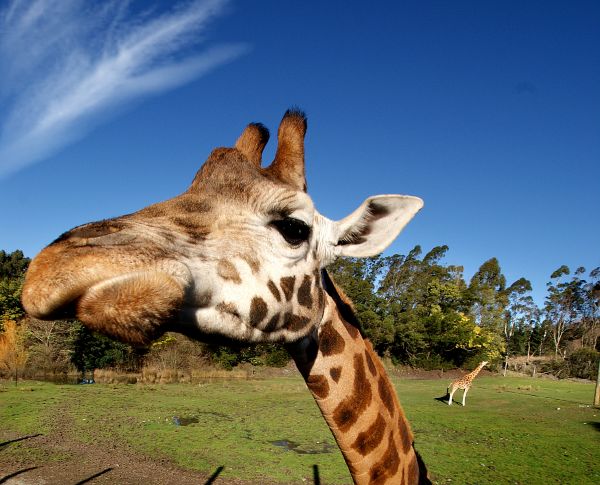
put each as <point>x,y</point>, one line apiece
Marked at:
<point>416,309</point>
<point>422,312</point>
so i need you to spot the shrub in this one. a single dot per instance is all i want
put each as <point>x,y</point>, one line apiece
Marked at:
<point>583,363</point>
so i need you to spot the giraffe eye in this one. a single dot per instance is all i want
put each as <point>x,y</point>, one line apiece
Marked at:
<point>294,231</point>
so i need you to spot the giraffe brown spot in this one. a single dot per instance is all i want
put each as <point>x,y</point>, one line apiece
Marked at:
<point>195,232</point>
<point>370,363</point>
<point>92,230</point>
<point>321,296</point>
<point>169,236</point>
<point>386,394</point>
<point>352,330</point>
<point>273,323</point>
<point>228,308</point>
<point>252,262</point>
<point>335,373</point>
<point>405,434</point>
<point>304,297</point>
<point>330,341</point>
<point>287,285</point>
<point>349,410</point>
<point>228,271</point>
<point>273,289</point>
<point>413,471</point>
<point>156,210</point>
<point>294,322</point>
<point>387,466</point>
<point>367,440</point>
<point>191,205</point>
<point>258,311</point>
<point>318,385</point>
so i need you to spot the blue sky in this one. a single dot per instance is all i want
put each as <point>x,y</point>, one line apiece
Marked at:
<point>489,111</point>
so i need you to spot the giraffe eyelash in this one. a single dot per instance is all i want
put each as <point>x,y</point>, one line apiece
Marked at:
<point>293,230</point>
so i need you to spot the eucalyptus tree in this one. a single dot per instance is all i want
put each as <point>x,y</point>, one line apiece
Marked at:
<point>519,315</point>
<point>565,302</point>
<point>488,296</point>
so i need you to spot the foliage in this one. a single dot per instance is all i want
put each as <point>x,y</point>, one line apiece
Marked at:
<point>12,272</point>
<point>13,354</point>
<point>94,351</point>
<point>10,299</point>
<point>228,357</point>
<point>175,352</point>
<point>414,308</point>
<point>417,310</point>
<point>13,265</point>
<point>583,363</point>
<point>569,302</point>
<point>50,345</point>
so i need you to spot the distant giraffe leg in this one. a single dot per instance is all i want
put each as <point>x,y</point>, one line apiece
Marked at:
<point>464,396</point>
<point>451,394</point>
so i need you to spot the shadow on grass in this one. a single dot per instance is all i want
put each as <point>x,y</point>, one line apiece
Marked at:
<point>595,425</point>
<point>19,472</point>
<point>95,475</point>
<point>443,399</point>
<point>316,477</point>
<point>5,443</point>
<point>214,476</point>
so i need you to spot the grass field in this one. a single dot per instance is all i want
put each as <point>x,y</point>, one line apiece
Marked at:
<point>513,430</point>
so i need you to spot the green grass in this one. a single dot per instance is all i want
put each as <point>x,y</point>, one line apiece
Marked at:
<point>511,430</point>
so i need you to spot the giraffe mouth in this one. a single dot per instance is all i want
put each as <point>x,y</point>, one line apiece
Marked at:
<point>133,307</point>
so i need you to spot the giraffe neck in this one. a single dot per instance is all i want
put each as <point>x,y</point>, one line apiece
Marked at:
<point>357,399</point>
<point>474,373</point>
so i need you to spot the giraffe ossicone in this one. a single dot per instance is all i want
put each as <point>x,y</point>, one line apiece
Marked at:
<point>240,255</point>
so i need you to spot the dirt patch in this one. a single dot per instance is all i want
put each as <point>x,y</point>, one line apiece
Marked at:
<point>59,458</point>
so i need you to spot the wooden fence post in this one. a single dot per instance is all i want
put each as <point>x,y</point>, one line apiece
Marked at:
<point>597,394</point>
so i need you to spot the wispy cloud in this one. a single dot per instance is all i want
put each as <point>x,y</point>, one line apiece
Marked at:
<point>68,64</point>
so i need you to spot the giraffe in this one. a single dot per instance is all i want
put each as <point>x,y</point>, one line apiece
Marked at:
<point>241,256</point>
<point>464,383</point>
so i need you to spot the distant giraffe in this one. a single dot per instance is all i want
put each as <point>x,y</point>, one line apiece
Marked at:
<point>464,383</point>
<point>241,255</point>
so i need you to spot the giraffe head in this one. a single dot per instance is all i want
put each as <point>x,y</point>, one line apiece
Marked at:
<point>238,255</point>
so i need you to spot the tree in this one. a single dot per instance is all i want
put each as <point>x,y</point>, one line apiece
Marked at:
<point>13,265</point>
<point>13,354</point>
<point>564,302</point>
<point>12,272</point>
<point>519,314</point>
<point>94,351</point>
<point>50,345</point>
<point>591,310</point>
<point>358,277</point>
<point>427,304</point>
<point>10,299</point>
<point>487,295</point>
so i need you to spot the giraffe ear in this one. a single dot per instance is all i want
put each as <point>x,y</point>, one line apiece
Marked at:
<point>375,224</point>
